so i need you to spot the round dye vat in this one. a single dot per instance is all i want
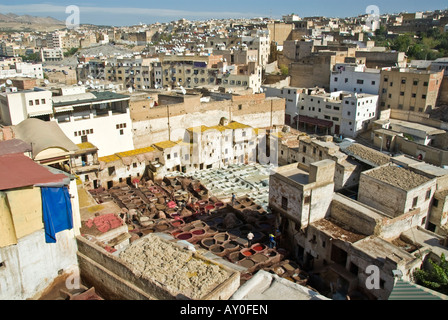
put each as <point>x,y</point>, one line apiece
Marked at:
<point>258,247</point>
<point>221,237</point>
<point>176,223</point>
<point>247,252</point>
<point>198,232</point>
<point>258,258</point>
<point>185,236</point>
<point>234,257</point>
<point>208,242</point>
<point>176,233</point>
<point>230,245</point>
<point>209,208</point>
<point>162,227</point>
<point>247,263</point>
<point>216,248</point>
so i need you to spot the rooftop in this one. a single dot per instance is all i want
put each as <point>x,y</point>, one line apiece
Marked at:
<point>398,177</point>
<point>165,145</point>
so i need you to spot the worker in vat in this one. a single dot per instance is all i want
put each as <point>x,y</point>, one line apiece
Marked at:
<point>233,199</point>
<point>250,237</point>
<point>272,243</point>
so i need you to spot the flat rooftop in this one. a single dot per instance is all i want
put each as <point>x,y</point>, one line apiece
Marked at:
<point>398,177</point>
<point>294,173</point>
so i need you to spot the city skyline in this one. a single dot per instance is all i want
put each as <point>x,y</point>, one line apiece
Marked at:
<point>115,14</point>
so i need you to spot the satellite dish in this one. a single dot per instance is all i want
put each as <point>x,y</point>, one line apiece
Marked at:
<point>184,92</point>
<point>46,81</point>
<point>8,82</point>
<point>80,83</point>
<point>130,90</point>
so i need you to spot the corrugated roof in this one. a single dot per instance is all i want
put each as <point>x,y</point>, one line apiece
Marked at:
<point>404,290</point>
<point>14,146</point>
<point>18,171</point>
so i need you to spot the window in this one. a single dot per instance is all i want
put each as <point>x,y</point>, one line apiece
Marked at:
<point>402,93</point>
<point>31,103</point>
<point>175,155</point>
<point>168,156</point>
<point>134,165</point>
<point>284,203</point>
<point>428,194</point>
<point>360,81</point>
<point>42,101</point>
<point>304,149</point>
<point>425,84</point>
<point>36,102</point>
<point>435,202</point>
<point>415,202</point>
<point>111,170</point>
<point>403,81</point>
<point>373,83</point>
<point>424,96</point>
<point>121,132</point>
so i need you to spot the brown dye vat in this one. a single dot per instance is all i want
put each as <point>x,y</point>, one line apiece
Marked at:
<point>160,207</point>
<point>259,258</point>
<point>147,231</point>
<point>234,257</point>
<point>162,227</point>
<point>231,246</point>
<point>247,263</point>
<point>217,249</point>
<point>208,242</point>
<point>221,237</point>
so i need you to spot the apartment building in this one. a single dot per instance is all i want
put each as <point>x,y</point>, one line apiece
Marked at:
<point>102,118</point>
<point>51,54</point>
<point>18,105</point>
<point>336,113</point>
<point>409,90</point>
<point>355,78</point>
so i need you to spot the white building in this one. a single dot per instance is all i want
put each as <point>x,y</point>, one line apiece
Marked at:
<point>17,106</point>
<point>292,97</point>
<point>102,118</point>
<point>23,69</point>
<point>355,78</point>
<point>338,113</point>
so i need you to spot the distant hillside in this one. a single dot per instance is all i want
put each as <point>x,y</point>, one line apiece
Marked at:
<point>27,19</point>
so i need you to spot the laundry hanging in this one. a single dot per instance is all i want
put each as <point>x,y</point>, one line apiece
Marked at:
<point>57,211</point>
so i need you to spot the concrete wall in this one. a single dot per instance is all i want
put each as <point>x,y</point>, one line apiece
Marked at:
<point>437,157</point>
<point>256,111</point>
<point>31,265</point>
<point>443,92</point>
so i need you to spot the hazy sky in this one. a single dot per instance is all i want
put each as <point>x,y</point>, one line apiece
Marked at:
<point>119,12</point>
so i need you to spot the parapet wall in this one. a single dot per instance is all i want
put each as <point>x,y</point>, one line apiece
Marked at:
<point>116,280</point>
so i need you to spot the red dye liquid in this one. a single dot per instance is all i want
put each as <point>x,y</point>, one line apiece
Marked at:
<point>176,223</point>
<point>198,232</point>
<point>247,253</point>
<point>258,248</point>
<point>184,236</point>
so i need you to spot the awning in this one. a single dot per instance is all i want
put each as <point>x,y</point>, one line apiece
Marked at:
<point>315,121</point>
<point>404,290</point>
<point>63,109</point>
<point>40,113</point>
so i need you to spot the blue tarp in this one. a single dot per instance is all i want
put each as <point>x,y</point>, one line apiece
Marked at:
<point>57,212</point>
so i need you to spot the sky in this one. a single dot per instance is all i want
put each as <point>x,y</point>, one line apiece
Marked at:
<point>132,12</point>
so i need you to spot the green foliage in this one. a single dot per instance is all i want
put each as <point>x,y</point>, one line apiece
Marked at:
<point>284,70</point>
<point>70,52</point>
<point>429,45</point>
<point>33,57</point>
<point>435,279</point>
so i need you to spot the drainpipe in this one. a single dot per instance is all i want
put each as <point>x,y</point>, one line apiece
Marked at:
<point>309,213</point>
<point>169,127</point>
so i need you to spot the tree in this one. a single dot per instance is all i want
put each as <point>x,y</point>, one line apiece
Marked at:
<point>436,278</point>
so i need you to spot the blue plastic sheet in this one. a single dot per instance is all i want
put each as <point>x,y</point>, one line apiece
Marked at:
<point>57,212</point>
